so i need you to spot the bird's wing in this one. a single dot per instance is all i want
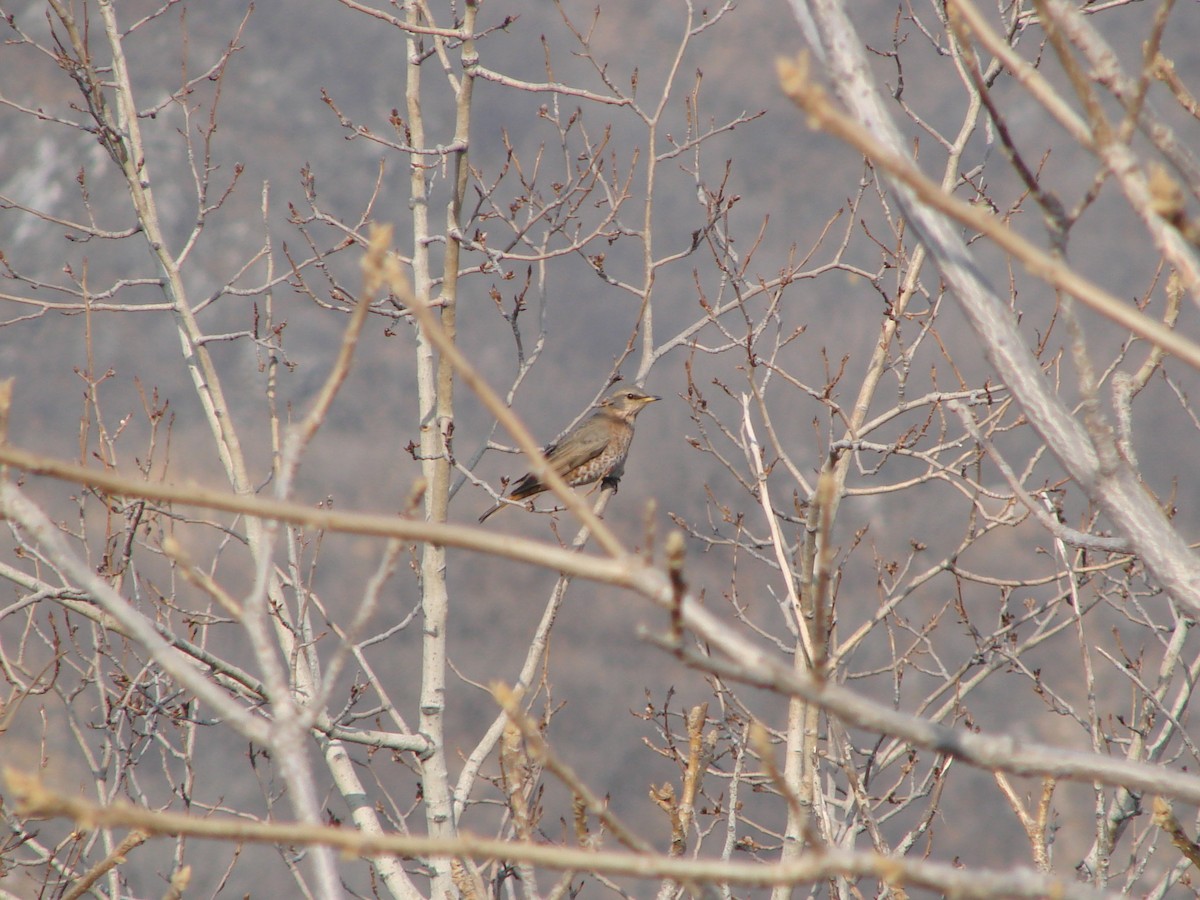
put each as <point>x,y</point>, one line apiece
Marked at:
<point>585,443</point>
<point>577,447</point>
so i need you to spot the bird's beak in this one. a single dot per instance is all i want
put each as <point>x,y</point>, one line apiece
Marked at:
<point>651,399</point>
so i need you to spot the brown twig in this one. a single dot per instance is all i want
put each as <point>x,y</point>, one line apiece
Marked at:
<point>36,801</point>
<point>814,101</point>
<point>95,873</point>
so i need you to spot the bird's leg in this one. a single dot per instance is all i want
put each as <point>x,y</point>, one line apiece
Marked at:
<point>613,478</point>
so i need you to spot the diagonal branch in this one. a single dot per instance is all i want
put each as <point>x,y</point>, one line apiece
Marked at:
<point>933,213</point>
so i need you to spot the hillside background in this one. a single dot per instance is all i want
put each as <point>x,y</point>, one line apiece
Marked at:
<point>795,193</point>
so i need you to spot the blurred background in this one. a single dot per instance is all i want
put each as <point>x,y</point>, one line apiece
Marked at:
<point>295,173</point>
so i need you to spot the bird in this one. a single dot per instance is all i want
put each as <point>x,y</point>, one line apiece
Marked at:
<point>594,449</point>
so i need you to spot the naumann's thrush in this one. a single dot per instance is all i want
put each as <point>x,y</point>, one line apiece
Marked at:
<point>595,448</point>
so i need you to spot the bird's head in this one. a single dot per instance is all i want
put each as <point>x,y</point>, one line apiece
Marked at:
<point>627,402</point>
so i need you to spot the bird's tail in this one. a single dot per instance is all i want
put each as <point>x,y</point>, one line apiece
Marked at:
<point>495,508</point>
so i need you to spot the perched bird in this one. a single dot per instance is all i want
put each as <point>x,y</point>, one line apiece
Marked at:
<point>595,448</point>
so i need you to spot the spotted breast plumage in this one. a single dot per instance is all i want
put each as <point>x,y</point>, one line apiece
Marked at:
<point>595,449</point>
